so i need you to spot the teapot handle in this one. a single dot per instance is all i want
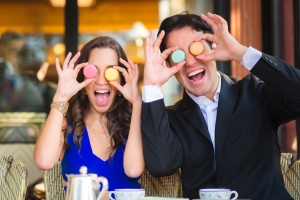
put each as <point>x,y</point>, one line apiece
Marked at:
<point>104,182</point>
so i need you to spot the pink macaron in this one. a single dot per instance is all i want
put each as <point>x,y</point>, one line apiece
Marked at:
<point>90,71</point>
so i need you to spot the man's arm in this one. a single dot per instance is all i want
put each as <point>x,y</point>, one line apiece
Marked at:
<point>279,91</point>
<point>162,148</point>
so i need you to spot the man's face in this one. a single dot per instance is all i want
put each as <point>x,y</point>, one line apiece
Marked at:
<point>196,76</point>
<point>11,50</point>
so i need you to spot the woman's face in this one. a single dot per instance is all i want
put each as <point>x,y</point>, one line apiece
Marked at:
<point>100,93</point>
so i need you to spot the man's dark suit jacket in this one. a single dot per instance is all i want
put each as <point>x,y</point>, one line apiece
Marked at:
<point>247,152</point>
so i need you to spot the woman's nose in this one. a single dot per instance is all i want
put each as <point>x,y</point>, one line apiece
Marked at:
<point>100,79</point>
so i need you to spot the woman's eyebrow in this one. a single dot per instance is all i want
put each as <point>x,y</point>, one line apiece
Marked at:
<point>110,66</point>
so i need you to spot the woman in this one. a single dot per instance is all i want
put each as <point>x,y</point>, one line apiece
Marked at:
<point>101,126</point>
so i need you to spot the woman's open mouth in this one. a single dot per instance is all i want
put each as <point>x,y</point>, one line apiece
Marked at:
<point>102,96</point>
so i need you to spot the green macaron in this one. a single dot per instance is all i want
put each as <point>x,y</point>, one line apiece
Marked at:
<point>178,56</point>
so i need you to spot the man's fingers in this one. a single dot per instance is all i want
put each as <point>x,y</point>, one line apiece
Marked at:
<point>210,20</point>
<point>206,57</point>
<point>158,41</point>
<point>166,53</point>
<point>174,69</point>
<point>206,36</point>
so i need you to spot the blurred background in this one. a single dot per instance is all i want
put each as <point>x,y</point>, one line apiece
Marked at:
<point>33,33</point>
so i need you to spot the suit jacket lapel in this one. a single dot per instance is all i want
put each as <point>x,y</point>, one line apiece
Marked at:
<point>193,114</point>
<point>227,101</point>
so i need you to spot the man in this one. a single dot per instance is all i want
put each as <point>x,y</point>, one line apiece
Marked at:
<point>223,133</point>
<point>10,44</point>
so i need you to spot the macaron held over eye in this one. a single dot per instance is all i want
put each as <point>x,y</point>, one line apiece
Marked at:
<point>111,74</point>
<point>90,71</point>
<point>178,56</point>
<point>196,48</point>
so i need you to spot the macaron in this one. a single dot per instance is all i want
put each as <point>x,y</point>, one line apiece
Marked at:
<point>111,74</point>
<point>178,56</point>
<point>196,48</point>
<point>90,71</point>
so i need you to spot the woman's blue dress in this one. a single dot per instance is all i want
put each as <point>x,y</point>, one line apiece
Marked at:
<point>111,169</point>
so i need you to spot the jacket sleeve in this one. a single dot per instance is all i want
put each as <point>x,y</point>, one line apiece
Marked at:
<point>161,146</point>
<point>279,90</point>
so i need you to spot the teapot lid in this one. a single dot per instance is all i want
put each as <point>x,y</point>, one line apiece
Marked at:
<point>83,170</point>
<point>83,173</point>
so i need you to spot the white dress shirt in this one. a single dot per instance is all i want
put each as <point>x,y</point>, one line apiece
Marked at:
<point>208,108</point>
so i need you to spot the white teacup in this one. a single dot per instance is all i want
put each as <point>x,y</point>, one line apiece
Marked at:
<point>215,193</point>
<point>127,194</point>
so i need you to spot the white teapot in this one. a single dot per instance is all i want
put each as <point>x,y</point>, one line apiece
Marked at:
<point>82,186</point>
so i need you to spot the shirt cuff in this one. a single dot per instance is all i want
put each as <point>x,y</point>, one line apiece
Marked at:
<point>250,58</point>
<point>151,93</point>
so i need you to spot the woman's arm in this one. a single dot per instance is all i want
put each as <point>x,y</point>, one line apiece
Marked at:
<point>133,156</point>
<point>49,145</point>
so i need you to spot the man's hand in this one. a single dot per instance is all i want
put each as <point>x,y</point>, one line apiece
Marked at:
<point>226,46</point>
<point>156,73</point>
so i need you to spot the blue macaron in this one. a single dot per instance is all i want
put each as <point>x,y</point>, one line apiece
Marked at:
<point>178,56</point>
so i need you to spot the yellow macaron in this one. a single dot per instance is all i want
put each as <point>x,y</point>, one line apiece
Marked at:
<point>111,74</point>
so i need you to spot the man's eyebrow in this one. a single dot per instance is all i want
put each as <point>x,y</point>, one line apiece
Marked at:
<point>110,66</point>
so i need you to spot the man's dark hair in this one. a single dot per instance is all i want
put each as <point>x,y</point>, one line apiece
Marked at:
<point>181,20</point>
<point>8,36</point>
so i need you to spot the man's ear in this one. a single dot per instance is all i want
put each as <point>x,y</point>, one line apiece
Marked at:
<point>213,46</point>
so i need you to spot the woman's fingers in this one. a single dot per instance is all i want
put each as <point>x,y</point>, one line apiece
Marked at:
<point>117,86</point>
<point>73,60</point>
<point>57,65</point>
<point>123,71</point>
<point>79,67</point>
<point>66,62</point>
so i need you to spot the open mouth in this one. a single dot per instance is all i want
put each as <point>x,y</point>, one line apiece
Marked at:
<point>102,96</point>
<point>196,76</point>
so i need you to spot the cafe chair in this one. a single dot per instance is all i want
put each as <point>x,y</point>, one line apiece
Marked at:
<point>13,179</point>
<point>285,162</point>
<point>168,186</point>
<point>291,175</point>
<point>53,184</point>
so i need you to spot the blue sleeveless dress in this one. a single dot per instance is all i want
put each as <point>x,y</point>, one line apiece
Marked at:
<point>111,169</point>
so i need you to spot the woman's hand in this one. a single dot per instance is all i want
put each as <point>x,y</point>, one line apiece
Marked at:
<point>156,73</point>
<point>130,90</point>
<point>68,85</point>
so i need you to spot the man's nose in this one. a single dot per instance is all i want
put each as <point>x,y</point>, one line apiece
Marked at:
<point>190,59</point>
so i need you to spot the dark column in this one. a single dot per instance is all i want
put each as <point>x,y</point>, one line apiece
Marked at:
<point>271,21</point>
<point>297,59</point>
<point>222,8</point>
<point>71,26</point>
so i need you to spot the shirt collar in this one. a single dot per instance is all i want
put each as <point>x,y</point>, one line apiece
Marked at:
<point>203,100</point>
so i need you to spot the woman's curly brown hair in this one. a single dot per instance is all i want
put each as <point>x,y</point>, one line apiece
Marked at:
<point>118,115</point>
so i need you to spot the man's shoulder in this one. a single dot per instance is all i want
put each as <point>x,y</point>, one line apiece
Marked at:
<point>249,78</point>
